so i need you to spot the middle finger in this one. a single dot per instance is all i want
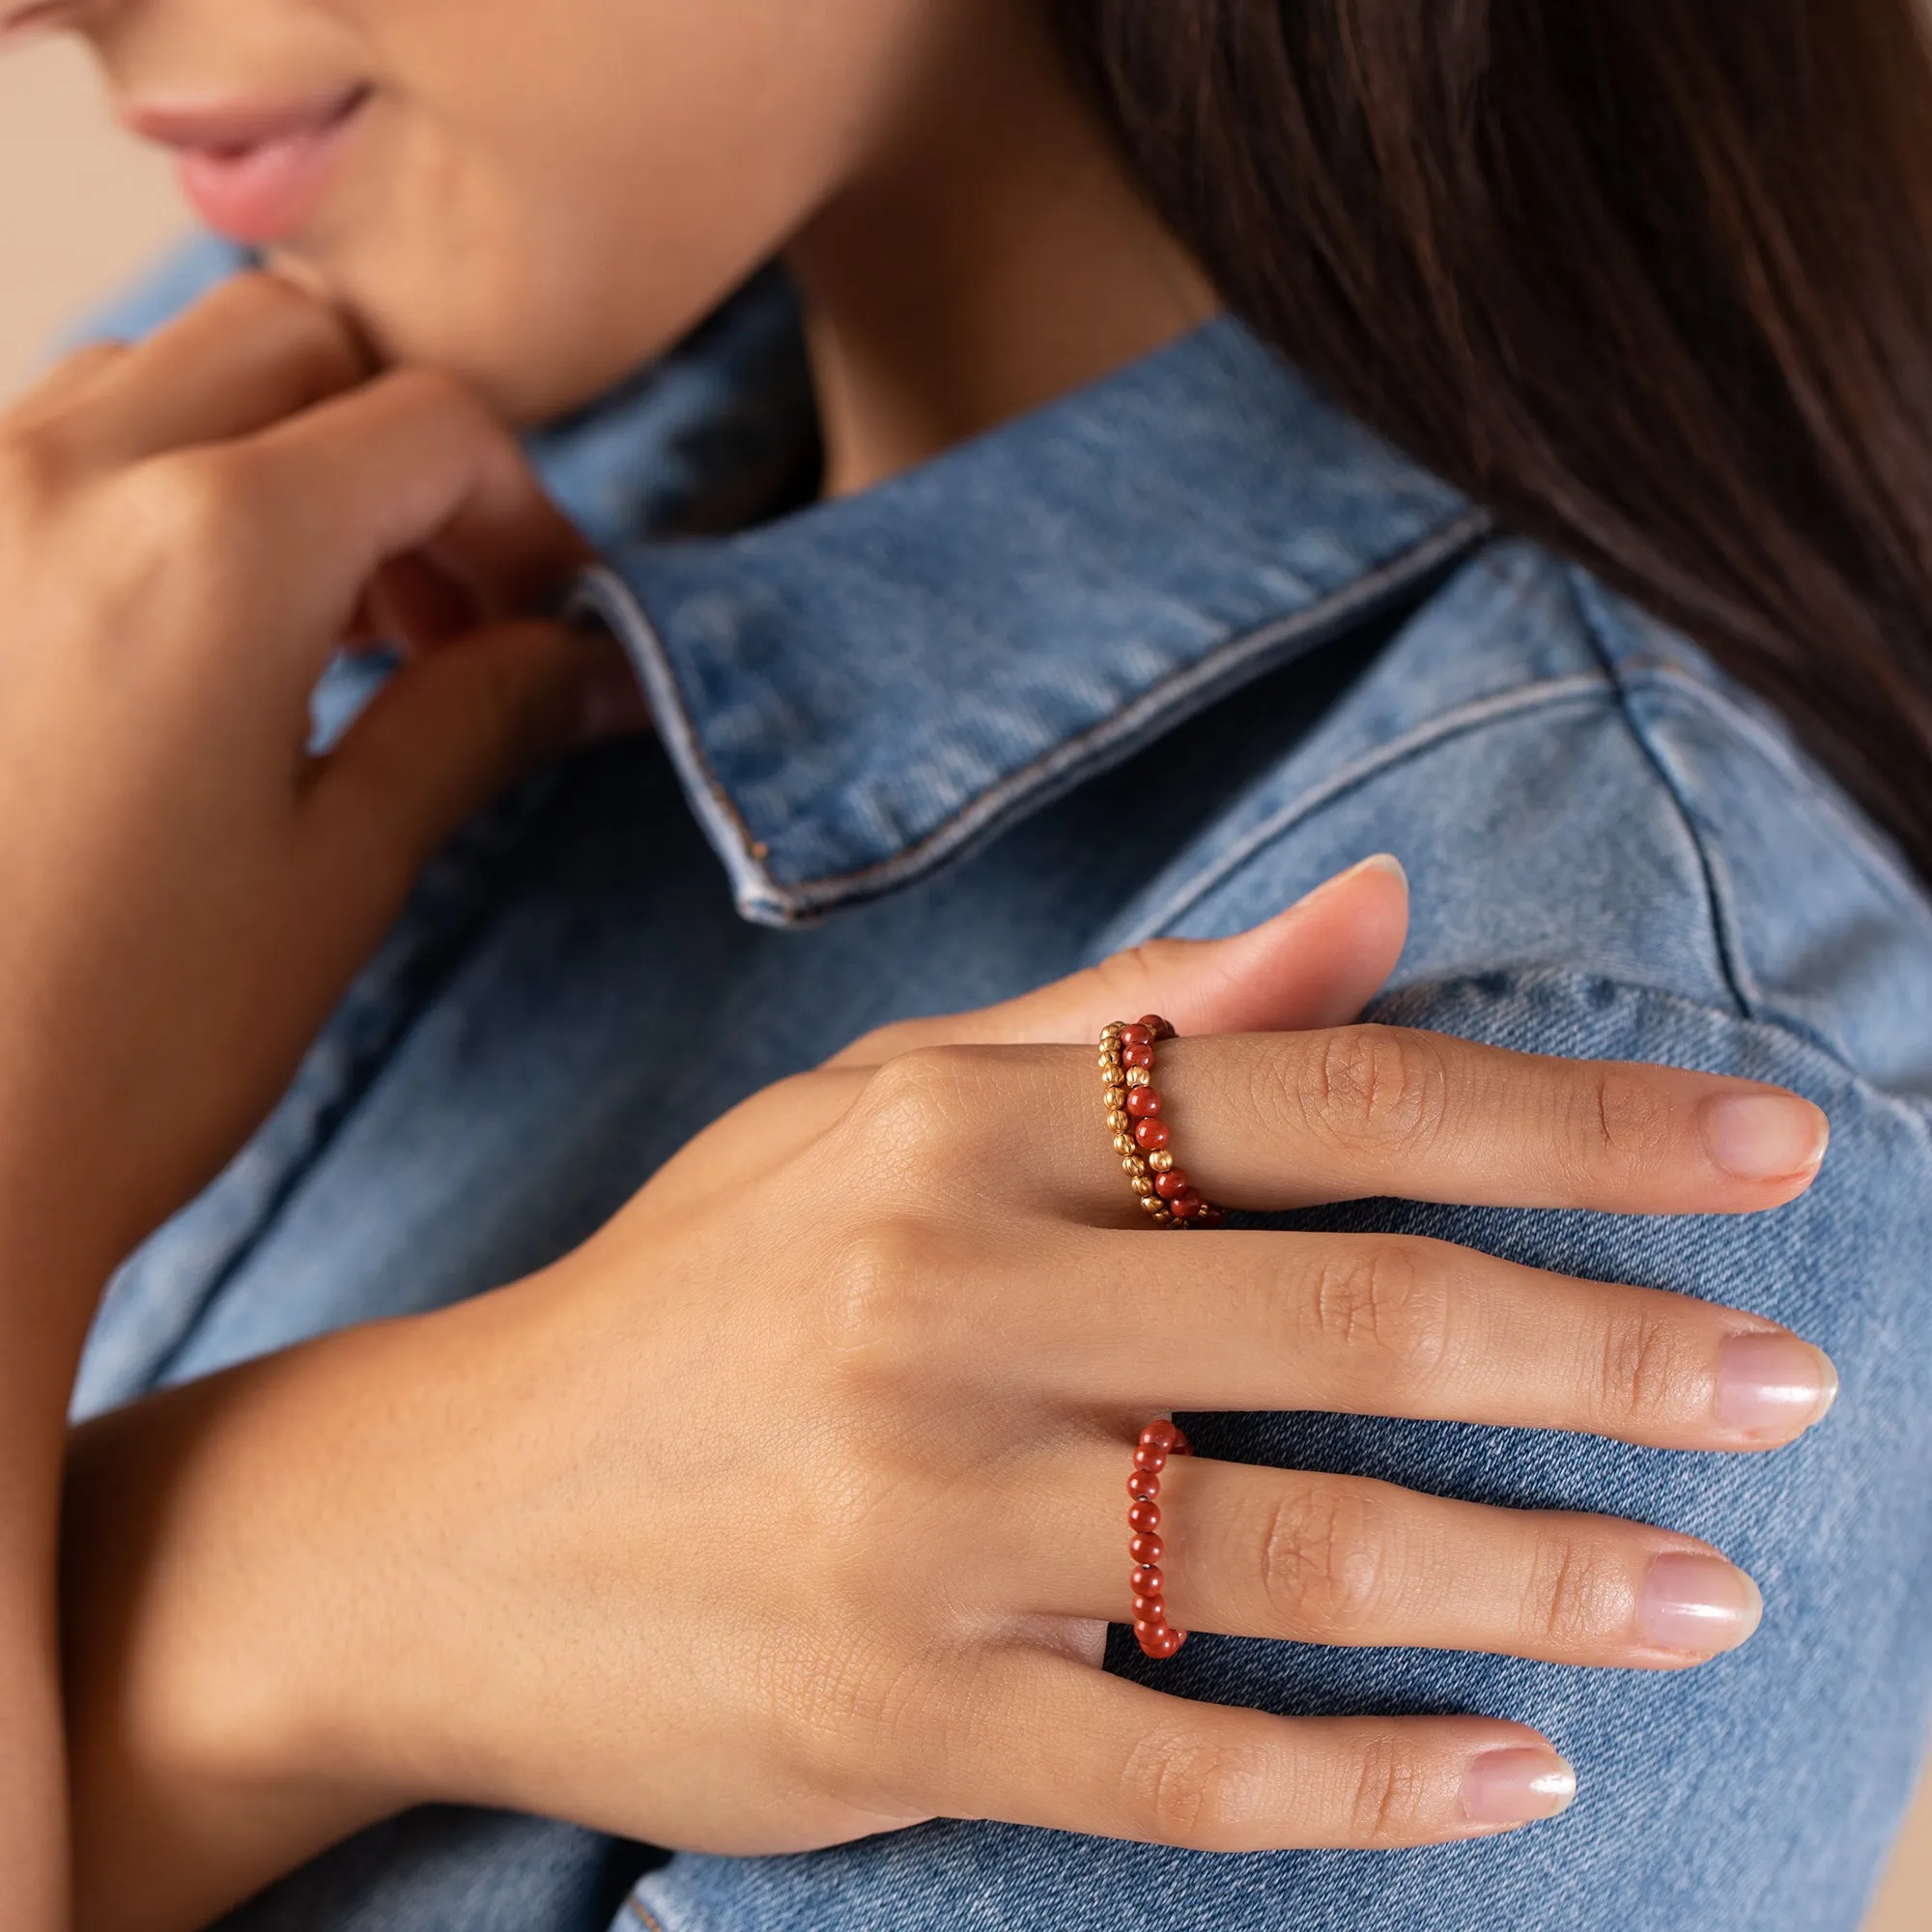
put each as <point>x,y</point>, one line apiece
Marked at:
<point>1398,1325</point>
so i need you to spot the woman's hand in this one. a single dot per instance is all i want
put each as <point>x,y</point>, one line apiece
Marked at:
<point>189,529</point>
<point>792,1507</point>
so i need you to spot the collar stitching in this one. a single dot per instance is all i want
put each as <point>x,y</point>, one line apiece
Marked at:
<point>1109,739</point>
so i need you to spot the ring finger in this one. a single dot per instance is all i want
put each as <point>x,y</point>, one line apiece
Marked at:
<point>1316,1558</point>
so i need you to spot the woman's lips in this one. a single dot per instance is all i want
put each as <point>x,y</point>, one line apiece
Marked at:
<point>254,174</point>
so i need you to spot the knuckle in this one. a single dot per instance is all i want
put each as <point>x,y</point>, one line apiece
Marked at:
<point>875,1289</point>
<point>1387,1305</point>
<point>1322,1561</point>
<point>1617,1119</point>
<point>1183,1787</point>
<point>189,503</point>
<point>1129,976</point>
<point>1575,1593</point>
<point>33,463</point>
<point>1391,1800</point>
<point>1638,1371</point>
<point>1373,1089</point>
<point>920,1110</point>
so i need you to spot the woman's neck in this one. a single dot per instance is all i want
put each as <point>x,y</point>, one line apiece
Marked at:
<point>993,256</point>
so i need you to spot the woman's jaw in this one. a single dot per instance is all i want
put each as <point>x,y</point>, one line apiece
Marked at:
<point>538,199</point>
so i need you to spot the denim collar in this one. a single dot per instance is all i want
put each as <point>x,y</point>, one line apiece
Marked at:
<point>857,691</point>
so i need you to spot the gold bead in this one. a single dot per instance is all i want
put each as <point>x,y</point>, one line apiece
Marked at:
<point>1152,1205</point>
<point>1161,1161</point>
<point>1131,1164</point>
<point>1108,1060</point>
<point>1113,1030</point>
<point>1123,1144</point>
<point>1139,1076</point>
<point>1113,1080</point>
<point>1121,1122</point>
<point>1141,1184</point>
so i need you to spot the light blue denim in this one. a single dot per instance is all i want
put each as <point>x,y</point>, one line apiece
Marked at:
<point>1154,660</point>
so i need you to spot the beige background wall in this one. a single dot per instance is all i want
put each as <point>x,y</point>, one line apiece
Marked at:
<point>79,204</point>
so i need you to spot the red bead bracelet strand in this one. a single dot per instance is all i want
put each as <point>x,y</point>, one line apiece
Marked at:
<point>1158,1441</point>
<point>1142,1137</point>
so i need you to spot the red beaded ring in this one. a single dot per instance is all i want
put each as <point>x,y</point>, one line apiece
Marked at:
<point>1158,1441</point>
<point>1141,1136</point>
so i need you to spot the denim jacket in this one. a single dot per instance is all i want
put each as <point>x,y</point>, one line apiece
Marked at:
<point>1154,660</point>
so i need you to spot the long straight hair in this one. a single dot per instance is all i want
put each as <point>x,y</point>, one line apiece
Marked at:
<point>1650,278</point>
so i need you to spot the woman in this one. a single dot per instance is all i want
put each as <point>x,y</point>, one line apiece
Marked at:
<point>1001,607</point>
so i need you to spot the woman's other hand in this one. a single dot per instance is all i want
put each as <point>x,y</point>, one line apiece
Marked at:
<point>792,1507</point>
<point>189,529</point>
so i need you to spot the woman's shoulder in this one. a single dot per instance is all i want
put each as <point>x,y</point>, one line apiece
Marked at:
<point>1606,837</point>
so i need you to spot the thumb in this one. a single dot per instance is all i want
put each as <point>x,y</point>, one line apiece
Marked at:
<point>454,728</point>
<point>1317,964</point>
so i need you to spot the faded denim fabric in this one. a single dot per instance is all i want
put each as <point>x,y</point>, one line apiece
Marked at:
<point>1155,660</point>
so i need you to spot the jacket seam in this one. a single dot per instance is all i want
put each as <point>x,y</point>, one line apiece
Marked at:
<point>1722,927</point>
<point>1577,690</point>
<point>1069,762</point>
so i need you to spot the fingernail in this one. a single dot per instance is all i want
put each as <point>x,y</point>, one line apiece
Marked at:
<point>1765,1136</point>
<point>1382,862</point>
<point>1514,1787</point>
<point>1773,1386</point>
<point>1700,1605</point>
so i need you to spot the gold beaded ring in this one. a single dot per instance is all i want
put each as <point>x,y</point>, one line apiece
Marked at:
<point>1141,1136</point>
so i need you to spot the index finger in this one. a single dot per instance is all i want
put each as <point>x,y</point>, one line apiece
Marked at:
<point>1266,1121</point>
<point>410,462</point>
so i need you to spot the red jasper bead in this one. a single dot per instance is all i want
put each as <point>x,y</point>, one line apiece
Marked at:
<point>1136,1056</point>
<point>1144,1517</point>
<point>1156,1026</point>
<point>1159,1436</point>
<point>1149,1610</point>
<point>1151,1135</point>
<point>1146,1551</point>
<point>1144,1486</point>
<point>1162,1642</point>
<point>1171,1184</point>
<point>1146,1583</point>
<point>1142,1102</point>
<point>1150,1457</point>
<point>1211,1217</point>
<point>1140,1034</point>
<point>1185,1207</point>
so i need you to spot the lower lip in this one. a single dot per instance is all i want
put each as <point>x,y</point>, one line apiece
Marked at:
<point>265,192</point>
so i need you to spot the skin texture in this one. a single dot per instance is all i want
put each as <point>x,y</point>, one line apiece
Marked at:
<point>537,198</point>
<point>187,529</point>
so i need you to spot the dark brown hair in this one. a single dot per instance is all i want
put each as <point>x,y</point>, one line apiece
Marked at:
<point>1652,278</point>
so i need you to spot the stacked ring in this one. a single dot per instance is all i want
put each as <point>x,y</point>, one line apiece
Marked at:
<point>1141,1136</point>
<point>1159,1441</point>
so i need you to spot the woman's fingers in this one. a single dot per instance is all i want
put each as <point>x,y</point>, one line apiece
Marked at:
<point>1392,1324</point>
<point>411,461</point>
<point>1317,964</point>
<point>1048,1741</point>
<point>1275,1120</point>
<point>253,352</point>
<point>61,388</point>
<point>448,733</point>
<point>1313,1559</point>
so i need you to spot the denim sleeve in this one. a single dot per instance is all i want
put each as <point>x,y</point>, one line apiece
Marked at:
<point>1758,1794</point>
